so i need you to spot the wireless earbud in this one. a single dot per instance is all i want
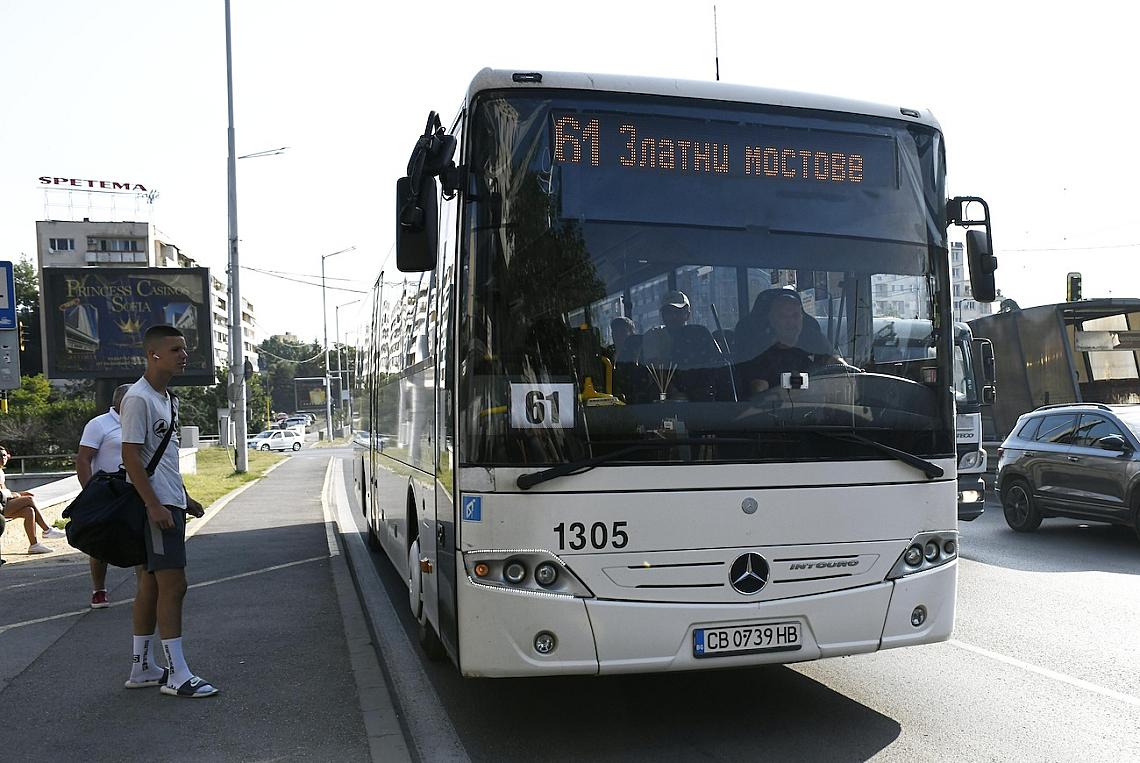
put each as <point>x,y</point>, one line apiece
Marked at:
<point>155,356</point>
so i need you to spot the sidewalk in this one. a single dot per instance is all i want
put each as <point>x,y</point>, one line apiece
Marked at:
<point>271,618</point>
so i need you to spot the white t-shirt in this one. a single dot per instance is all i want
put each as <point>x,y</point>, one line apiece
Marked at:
<point>105,434</point>
<point>145,416</point>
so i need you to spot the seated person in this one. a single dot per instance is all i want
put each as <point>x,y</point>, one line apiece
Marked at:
<point>781,338</point>
<point>683,358</point>
<point>22,505</point>
<point>627,342</point>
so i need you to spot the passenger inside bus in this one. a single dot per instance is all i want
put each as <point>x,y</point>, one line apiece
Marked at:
<point>627,342</point>
<point>777,337</point>
<point>684,361</point>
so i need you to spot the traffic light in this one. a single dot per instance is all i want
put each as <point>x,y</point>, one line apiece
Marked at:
<point>1073,287</point>
<point>23,336</point>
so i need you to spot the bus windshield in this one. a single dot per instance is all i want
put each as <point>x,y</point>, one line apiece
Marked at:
<point>640,270</point>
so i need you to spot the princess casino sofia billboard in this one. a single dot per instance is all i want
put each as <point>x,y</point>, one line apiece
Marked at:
<point>94,319</point>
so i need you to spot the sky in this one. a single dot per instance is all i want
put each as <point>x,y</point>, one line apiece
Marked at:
<point>1038,109</point>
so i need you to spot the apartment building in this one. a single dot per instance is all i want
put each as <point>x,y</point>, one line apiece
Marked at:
<point>111,244</point>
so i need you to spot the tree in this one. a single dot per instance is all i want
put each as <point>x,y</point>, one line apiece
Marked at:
<point>198,406</point>
<point>45,420</point>
<point>285,361</point>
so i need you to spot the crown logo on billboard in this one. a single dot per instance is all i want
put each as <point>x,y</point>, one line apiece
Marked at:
<point>129,326</point>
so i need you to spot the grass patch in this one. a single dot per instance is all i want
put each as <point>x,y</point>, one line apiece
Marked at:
<point>216,475</point>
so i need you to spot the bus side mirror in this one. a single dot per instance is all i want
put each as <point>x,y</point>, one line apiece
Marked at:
<point>417,225</point>
<point>989,394</point>
<point>982,265</point>
<point>985,351</point>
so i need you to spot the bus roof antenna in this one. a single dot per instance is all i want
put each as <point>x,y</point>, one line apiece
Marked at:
<point>716,45</point>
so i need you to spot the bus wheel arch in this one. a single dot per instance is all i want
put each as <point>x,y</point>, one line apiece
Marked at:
<point>427,636</point>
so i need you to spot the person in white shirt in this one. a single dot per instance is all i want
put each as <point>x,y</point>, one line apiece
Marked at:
<point>100,450</point>
<point>146,418</point>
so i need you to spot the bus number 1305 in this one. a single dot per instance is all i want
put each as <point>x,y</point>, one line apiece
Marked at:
<point>599,535</point>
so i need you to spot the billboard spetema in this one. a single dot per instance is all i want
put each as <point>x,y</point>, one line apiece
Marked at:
<point>94,319</point>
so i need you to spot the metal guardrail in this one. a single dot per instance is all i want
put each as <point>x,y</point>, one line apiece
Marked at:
<point>50,463</point>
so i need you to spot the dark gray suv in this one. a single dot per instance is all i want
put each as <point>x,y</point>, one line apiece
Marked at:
<point>1074,460</point>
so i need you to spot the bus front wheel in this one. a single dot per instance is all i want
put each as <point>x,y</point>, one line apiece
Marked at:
<point>428,638</point>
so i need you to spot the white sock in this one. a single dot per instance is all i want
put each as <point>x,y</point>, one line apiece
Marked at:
<point>143,658</point>
<point>179,672</point>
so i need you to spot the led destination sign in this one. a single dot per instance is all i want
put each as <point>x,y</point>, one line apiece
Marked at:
<point>674,170</point>
<point>764,153</point>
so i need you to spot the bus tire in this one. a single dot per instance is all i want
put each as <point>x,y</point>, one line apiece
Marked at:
<point>1017,504</point>
<point>429,641</point>
<point>373,539</point>
<point>428,638</point>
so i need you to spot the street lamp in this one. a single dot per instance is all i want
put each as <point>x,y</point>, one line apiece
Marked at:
<point>236,387</point>
<point>340,359</point>
<point>266,152</point>
<point>237,357</point>
<point>325,320</point>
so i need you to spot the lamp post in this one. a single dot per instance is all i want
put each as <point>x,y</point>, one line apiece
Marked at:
<point>340,360</point>
<point>237,357</point>
<point>236,387</point>
<point>325,320</point>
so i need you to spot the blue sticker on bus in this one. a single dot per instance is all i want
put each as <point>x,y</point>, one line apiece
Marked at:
<point>473,508</point>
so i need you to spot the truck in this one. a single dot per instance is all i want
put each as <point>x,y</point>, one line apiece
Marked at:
<point>1069,352</point>
<point>901,340</point>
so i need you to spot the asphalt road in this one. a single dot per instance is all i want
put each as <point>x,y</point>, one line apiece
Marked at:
<point>1043,666</point>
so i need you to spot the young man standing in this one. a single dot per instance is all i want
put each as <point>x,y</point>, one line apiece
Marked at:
<point>100,450</point>
<point>146,417</point>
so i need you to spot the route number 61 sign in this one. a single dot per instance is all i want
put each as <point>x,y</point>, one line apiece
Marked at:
<point>542,406</point>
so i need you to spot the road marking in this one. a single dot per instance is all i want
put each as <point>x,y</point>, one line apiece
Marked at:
<point>330,525</point>
<point>124,602</point>
<point>43,581</point>
<point>1128,699</point>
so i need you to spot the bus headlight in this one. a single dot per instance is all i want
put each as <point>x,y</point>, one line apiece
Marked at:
<point>514,573</point>
<point>545,574</point>
<point>926,551</point>
<point>524,571</point>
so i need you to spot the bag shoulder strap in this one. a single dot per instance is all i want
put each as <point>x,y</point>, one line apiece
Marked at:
<point>165,440</point>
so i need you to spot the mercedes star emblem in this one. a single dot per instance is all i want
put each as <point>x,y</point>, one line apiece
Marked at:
<point>749,573</point>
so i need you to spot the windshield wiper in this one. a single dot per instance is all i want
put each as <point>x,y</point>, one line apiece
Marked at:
<point>931,470</point>
<point>527,481</point>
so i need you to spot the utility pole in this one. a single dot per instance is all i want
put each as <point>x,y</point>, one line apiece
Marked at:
<point>236,386</point>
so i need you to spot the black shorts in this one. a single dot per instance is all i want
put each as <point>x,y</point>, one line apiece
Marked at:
<point>166,549</point>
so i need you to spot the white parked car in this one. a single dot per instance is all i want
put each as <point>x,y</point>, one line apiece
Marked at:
<point>297,421</point>
<point>276,439</point>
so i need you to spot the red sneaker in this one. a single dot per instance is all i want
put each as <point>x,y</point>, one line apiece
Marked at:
<point>99,600</point>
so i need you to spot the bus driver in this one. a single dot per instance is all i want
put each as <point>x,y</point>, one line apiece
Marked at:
<point>788,340</point>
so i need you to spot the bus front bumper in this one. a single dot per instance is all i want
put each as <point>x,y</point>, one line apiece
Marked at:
<point>500,627</point>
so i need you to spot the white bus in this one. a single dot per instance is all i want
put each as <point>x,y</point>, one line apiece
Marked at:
<point>719,489</point>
